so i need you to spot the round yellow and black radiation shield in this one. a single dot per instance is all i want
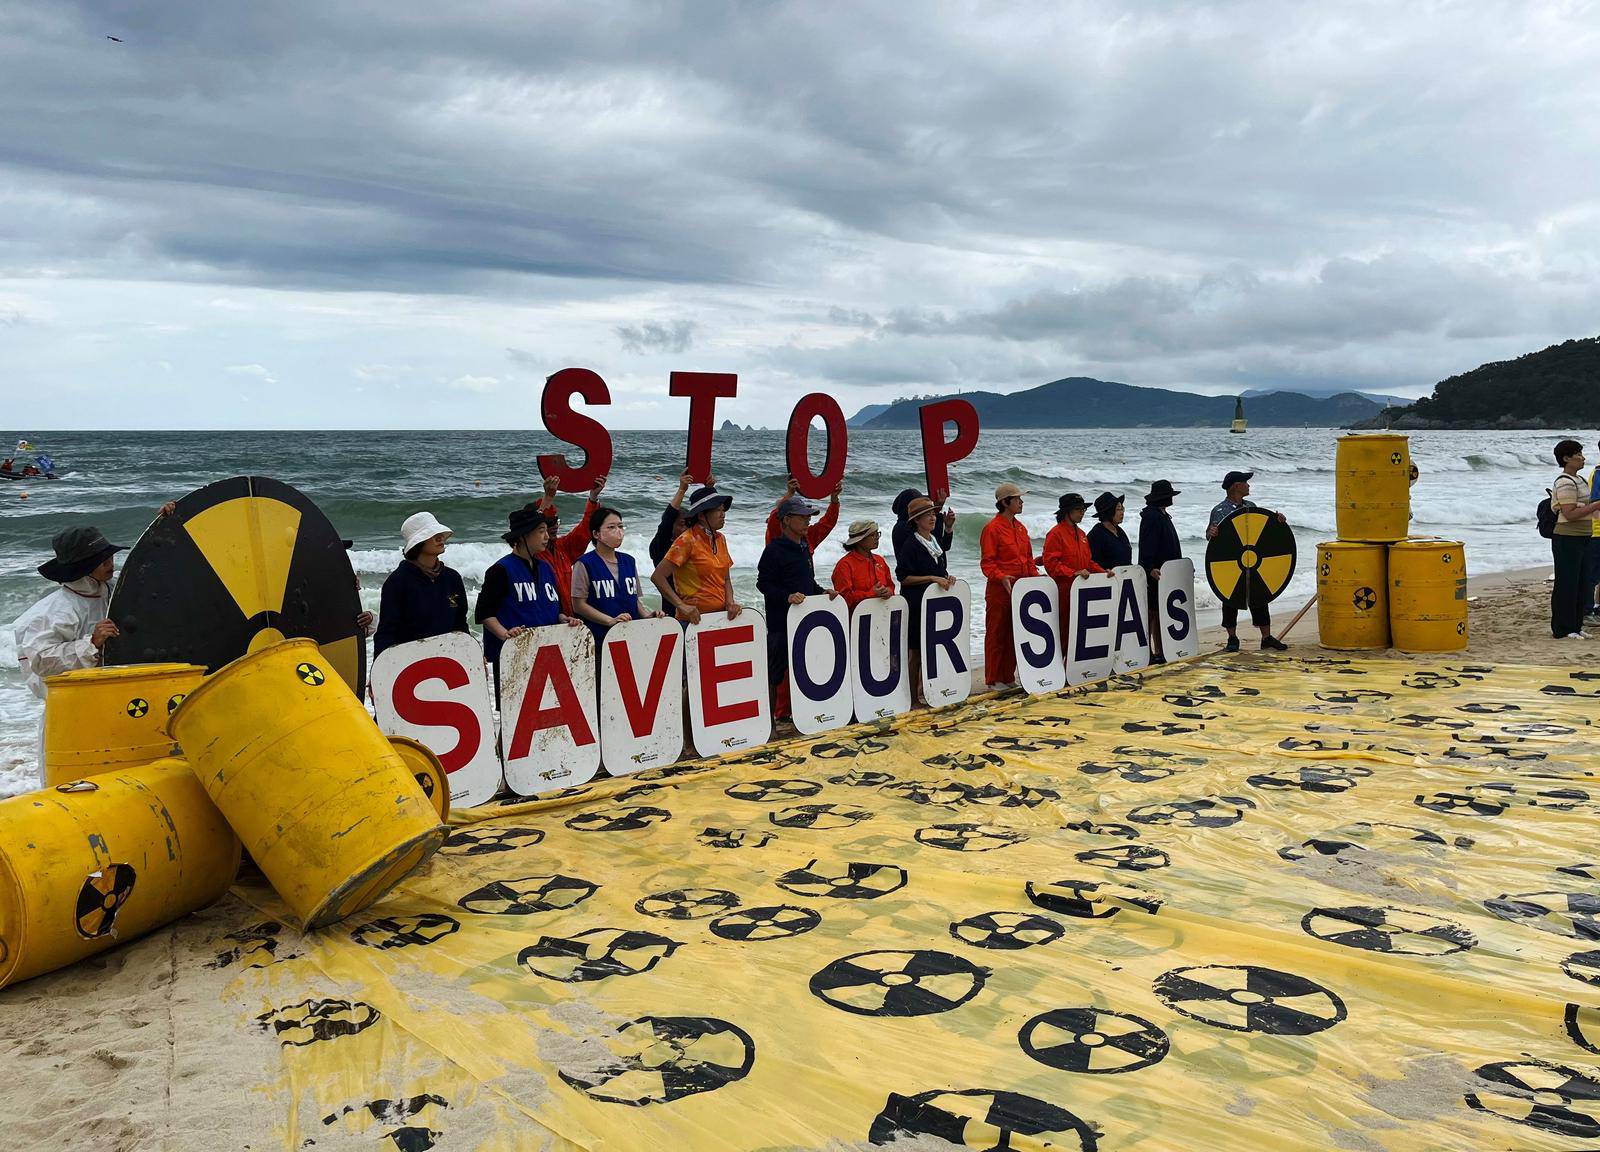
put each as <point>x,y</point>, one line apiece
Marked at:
<point>241,564</point>
<point>1251,545</point>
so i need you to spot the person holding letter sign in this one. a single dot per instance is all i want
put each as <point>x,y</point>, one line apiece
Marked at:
<point>561,553</point>
<point>1158,543</point>
<point>1108,543</point>
<point>861,573</point>
<point>693,576</point>
<point>786,575</point>
<point>605,582</point>
<point>424,596</point>
<point>1236,487</point>
<point>1006,555</point>
<point>1066,553</point>
<point>815,534</point>
<point>519,591</point>
<point>922,558</point>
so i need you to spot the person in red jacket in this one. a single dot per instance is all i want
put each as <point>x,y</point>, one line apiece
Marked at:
<point>563,552</point>
<point>818,532</point>
<point>1006,555</point>
<point>861,573</point>
<point>1066,553</point>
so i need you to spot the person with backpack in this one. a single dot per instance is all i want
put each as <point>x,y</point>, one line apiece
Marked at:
<point>1570,536</point>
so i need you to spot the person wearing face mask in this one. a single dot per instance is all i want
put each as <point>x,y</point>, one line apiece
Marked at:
<point>605,582</point>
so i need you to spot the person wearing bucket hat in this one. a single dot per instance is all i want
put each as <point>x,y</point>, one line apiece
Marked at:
<point>423,596</point>
<point>1236,489</point>
<point>1066,552</point>
<point>1005,556</point>
<point>922,559</point>
<point>786,575</point>
<point>519,590</point>
<point>693,576</point>
<point>1158,543</point>
<point>819,531</point>
<point>1108,543</point>
<point>861,574</point>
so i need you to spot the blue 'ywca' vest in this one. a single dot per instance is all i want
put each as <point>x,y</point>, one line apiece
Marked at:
<point>532,603</point>
<point>612,595</point>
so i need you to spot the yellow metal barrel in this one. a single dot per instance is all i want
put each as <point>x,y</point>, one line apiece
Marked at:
<point>1352,594</point>
<point>98,719</point>
<point>88,865</point>
<point>324,804</point>
<point>1372,487</point>
<point>1428,595</point>
<point>426,770</point>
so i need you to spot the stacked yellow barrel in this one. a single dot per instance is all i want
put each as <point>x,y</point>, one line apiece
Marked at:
<point>1376,585</point>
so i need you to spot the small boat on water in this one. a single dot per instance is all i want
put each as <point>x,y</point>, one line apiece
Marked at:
<point>1238,425</point>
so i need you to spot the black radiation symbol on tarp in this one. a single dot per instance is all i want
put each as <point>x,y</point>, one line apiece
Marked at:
<point>489,840</point>
<point>1007,931</point>
<point>968,837</point>
<point>856,778</point>
<point>981,1118</point>
<point>1365,599</point>
<point>623,819</point>
<point>775,922</point>
<point>1090,899</point>
<point>659,1059</point>
<point>418,930</point>
<point>1362,835</point>
<point>733,838</point>
<point>1397,931</point>
<point>100,899</point>
<point>821,817</point>
<point>687,903</point>
<point>1321,779</point>
<point>1549,1097</point>
<point>898,983</point>
<point>138,707</point>
<point>1203,812</point>
<point>767,791</point>
<point>240,561</point>
<point>527,895</point>
<point>313,1021</point>
<point>1126,857</point>
<point>1252,548</point>
<point>850,881</point>
<point>965,761</point>
<point>1583,967</point>
<point>994,796</point>
<point>1245,998</point>
<point>1574,914</point>
<point>596,954</point>
<point>1093,1041</point>
<point>944,792</point>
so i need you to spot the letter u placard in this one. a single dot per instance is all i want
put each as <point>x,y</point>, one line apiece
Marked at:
<point>435,691</point>
<point>549,717</point>
<point>1036,632</point>
<point>879,674</point>
<point>641,695</point>
<point>819,664</point>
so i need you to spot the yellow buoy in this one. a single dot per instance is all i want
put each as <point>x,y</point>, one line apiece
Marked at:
<point>324,804</point>
<point>98,719</point>
<point>1352,594</point>
<point>94,863</point>
<point>1428,595</point>
<point>426,770</point>
<point>1372,487</point>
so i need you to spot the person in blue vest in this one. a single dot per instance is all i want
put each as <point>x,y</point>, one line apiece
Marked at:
<point>605,582</point>
<point>519,591</point>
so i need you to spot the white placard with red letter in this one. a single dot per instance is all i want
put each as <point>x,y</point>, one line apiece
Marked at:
<point>729,708</point>
<point>1036,634</point>
<point>1174,616</point>
<point>436,692</point>
<point>641,695</point>
<point>549,720</point>
<point>819,664</point>
<point>1130,619</point>
<point>880,675</point>
<point>946,646</point>
<point>1091,649</point>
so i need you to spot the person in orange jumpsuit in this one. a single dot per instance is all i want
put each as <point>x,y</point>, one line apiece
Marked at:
<point>861,573</point>
<point>1006,555</point>
<point>1067,555</point>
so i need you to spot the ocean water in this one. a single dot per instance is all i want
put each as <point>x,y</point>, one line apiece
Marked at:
<point>1479,487</point>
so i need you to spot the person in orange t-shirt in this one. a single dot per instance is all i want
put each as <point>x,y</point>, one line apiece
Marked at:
<point>818,532</point>
<point>693,575</point>
<point>1005,555</point>
<point>861,574</point>
<point>1067,555</point>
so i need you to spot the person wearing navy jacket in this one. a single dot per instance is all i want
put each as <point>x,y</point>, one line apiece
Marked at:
<point>519,591</point>
<point>605,582</point>
<point>1158,543</point>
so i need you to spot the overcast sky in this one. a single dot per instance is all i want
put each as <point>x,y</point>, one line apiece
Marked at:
<point>406,214</point>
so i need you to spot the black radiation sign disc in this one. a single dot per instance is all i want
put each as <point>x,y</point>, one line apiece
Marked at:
<point>1093,1040</point>
<point>1245,998</point>
<point>894,983</point>
<point>596,954</point>
<point>1550,1097</point>
<point>100,899</point>
<point>1251,546</point>
<point>773,922</point>
<point>242,562</point>
<point>1006,931</point>
<point>659,1059</point>
<point>1397,931</point>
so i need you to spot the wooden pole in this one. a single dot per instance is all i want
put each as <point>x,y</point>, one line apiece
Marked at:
<point>1304,608</point>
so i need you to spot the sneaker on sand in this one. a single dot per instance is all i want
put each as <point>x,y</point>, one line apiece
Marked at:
<point>1232,645</point>
<point>1576,636</point>
<point>1273,644</point>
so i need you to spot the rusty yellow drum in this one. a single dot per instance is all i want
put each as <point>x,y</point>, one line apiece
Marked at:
<point>98,719</point>
<point>1352,594</point>
<point>1428,595</point>
<point>1372,487</point>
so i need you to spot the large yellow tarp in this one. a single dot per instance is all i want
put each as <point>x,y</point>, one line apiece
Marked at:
<point>1299,904</point>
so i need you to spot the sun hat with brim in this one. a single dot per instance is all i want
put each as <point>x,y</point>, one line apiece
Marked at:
<point>859,531</point>
<point>1106,505</point>
<point>703,500</point>
<point>795,506</point>
<point>523,521</point>
<point>420,526</point>
<point>79,551</point>
<point>1069,504</point>
<point>1007,490</point>
<point>1162,491</point>
<point>919,506</point>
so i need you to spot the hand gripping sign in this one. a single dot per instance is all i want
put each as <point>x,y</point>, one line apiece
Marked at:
<point>1091,650</point>
<point>1130,644</point>
<point>1036,633</point>
<point>435,691</point>
<point>549,722</point>
<point>819,664</point>
<point>641,695</point>
<point>946,646</point>
<point>1175,613</point>
<point>728,704</point>
<point>879,640</point>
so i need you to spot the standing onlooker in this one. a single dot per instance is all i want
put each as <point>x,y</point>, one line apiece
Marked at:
<point>693,575</point>
<point>1109,545</point>
<point>861,574</point>
<point>605,582</point>
<point>785,575</point>
<point>922,558</point>
<point>1158,543</point>
<point>818,532</point>
<point>1005,556</point>
<point>1236,486</point>
<point>1067,555</point>
<point>1569,545</point>
<point>422,597</point>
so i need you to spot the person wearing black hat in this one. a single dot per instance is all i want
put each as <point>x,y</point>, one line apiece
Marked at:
<point>786,575</point>
<point>693,575</point>
<point>1109,545</point>
<point>519,591</point>
<point>1066,553</point>
<point>1236,486</point>
<point>1158,543</point>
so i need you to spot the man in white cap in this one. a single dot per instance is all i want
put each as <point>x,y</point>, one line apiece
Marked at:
<point>422,597</point>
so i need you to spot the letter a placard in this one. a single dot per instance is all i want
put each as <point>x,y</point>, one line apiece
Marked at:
<point>549,719</point>
<point>729,708</point>
<point>436,692</point>
<point>641,695</point>
<point>819,664</point>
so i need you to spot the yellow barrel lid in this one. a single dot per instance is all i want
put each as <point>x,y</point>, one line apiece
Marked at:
<point>123,672</point>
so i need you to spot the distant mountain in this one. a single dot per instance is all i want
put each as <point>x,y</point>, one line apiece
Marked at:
<point>860,419</point>
<point>1557,387</point>
<point>1083,402</point>
<point>1326,393</point>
